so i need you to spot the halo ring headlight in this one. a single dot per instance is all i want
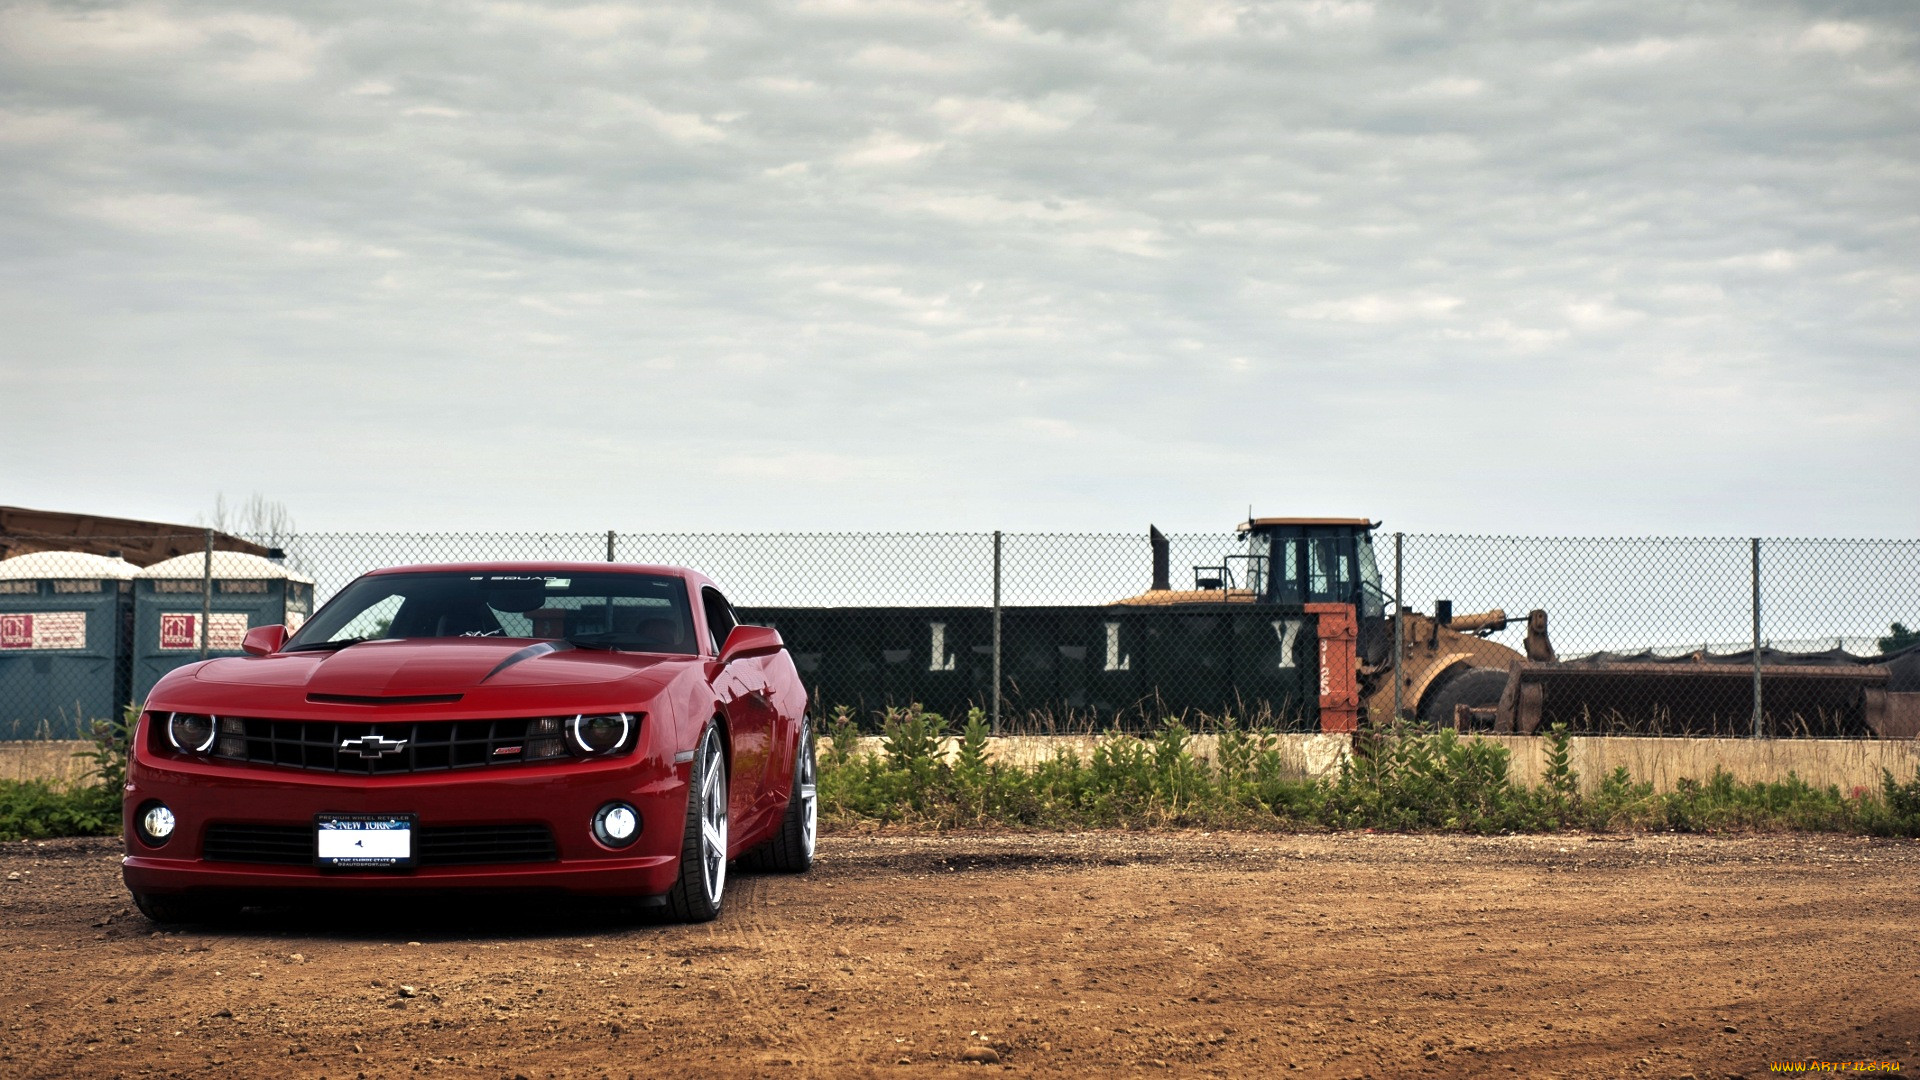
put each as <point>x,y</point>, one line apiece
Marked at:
<point>599,734</point>
<point>190,733</point>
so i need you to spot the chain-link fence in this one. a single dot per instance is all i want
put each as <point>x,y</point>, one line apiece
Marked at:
<point>1657,635</point>
<point>1644,635</point>
<point>84,630</point>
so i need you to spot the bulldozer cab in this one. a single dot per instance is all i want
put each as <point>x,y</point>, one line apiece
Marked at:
<point>1313,561</point>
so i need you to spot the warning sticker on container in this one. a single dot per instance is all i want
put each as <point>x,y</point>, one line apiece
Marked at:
<point>44,630</point>
<point>181,630</point>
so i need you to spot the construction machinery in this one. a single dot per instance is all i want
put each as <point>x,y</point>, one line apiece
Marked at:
<point>1442,669</point>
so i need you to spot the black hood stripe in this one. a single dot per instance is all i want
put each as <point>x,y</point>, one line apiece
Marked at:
<point>540,648</point>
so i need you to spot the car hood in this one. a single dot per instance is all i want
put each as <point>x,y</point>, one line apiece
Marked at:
<point>479,670</point>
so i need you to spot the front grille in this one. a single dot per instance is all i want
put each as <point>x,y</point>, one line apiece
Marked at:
<point>290,844</point>
<point>423,746</point>
<point>472,845</point>
<point>437,845</point>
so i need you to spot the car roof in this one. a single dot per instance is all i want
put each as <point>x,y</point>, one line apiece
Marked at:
<point>547,568</point>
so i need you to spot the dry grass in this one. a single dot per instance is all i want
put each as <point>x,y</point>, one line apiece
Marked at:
<point>1303,755</point>
<point>1845,763</point>
<point>1663,762</point>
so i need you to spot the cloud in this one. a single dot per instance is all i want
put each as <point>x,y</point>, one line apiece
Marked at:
<point>915,264</point>
<point>884,149</point>
<point>969,116</point>
<point>1835,37</point>
<point>1377,308</point>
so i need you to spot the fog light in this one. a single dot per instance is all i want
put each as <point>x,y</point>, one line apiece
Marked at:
<point>154,824</point>
<point>616,824</point>
<point>190,732</point>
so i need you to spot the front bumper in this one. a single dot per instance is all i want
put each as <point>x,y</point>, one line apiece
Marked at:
<point>562,797</point>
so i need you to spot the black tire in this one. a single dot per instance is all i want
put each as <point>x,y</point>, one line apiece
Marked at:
<point>698,892</point>
<point>1476,688</point>
<point>172,909</point>
<point>791,849</point>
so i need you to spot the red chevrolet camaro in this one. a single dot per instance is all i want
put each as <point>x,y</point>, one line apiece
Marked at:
<point>593,728</point>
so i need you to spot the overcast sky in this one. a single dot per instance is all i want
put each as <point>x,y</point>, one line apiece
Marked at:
<point>1599,268</point>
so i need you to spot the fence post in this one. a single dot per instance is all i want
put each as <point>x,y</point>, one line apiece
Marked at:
<point>996,631</point>
<point>609,545</point>
<point>206,594</point>
<point>1758,721</point>
<point>1399,628</point>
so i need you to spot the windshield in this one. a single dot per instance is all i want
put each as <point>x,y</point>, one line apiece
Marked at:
<point>1259,556</point>
<point>1372,597</point>
<point>644,612</point>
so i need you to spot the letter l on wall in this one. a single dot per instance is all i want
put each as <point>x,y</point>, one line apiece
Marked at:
<point>939,658</point>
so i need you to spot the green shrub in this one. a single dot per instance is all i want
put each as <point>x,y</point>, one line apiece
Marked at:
<point>36,809</point>
<point>1402,779</point>
<point>1618,803</point>
<point>1895,813</point>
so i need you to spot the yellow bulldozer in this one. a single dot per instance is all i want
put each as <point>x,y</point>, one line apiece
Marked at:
<point>1451,674</point>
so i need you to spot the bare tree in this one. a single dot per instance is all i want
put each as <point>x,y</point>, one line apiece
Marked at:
<point>257,515</point>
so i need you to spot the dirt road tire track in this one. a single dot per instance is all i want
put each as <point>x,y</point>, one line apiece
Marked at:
<point>1139,954</point>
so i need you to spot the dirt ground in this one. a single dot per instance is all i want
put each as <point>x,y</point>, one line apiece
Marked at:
<point>1138,954</point>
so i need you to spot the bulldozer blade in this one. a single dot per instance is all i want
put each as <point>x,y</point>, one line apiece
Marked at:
<point>1703,699</point>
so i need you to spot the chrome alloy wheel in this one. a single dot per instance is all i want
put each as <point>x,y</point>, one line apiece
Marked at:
<point>809,798</point>
<point>713,820</point>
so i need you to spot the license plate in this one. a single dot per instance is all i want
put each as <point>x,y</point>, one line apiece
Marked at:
<point>364,841</point>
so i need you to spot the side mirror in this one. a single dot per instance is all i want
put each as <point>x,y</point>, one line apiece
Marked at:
<point>745,641</point>
<point>263,640</point>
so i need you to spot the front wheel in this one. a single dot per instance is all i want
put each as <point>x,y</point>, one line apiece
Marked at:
<point>791,849</point>
<point>1476,688</point>
<point>696,894</point>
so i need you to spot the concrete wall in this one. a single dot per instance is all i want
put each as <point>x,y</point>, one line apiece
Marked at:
<point>1304,755</point>
<point>1849,763</point>
<point>44,760</point>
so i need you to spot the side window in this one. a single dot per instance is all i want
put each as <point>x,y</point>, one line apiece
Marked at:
<point>720,617</point>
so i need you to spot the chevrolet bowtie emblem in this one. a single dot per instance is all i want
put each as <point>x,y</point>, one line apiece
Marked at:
<point>372,746</point>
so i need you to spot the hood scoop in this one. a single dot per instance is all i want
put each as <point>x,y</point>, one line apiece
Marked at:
<point>375,699</point>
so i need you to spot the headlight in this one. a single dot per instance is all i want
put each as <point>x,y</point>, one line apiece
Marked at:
<point>233,737</point>
<point>544,739</point>
<point>583,735</point>
<point>599,734</point>
<point>190,732</point>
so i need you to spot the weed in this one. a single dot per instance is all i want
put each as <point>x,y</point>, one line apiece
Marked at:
<point>1405,779</point>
